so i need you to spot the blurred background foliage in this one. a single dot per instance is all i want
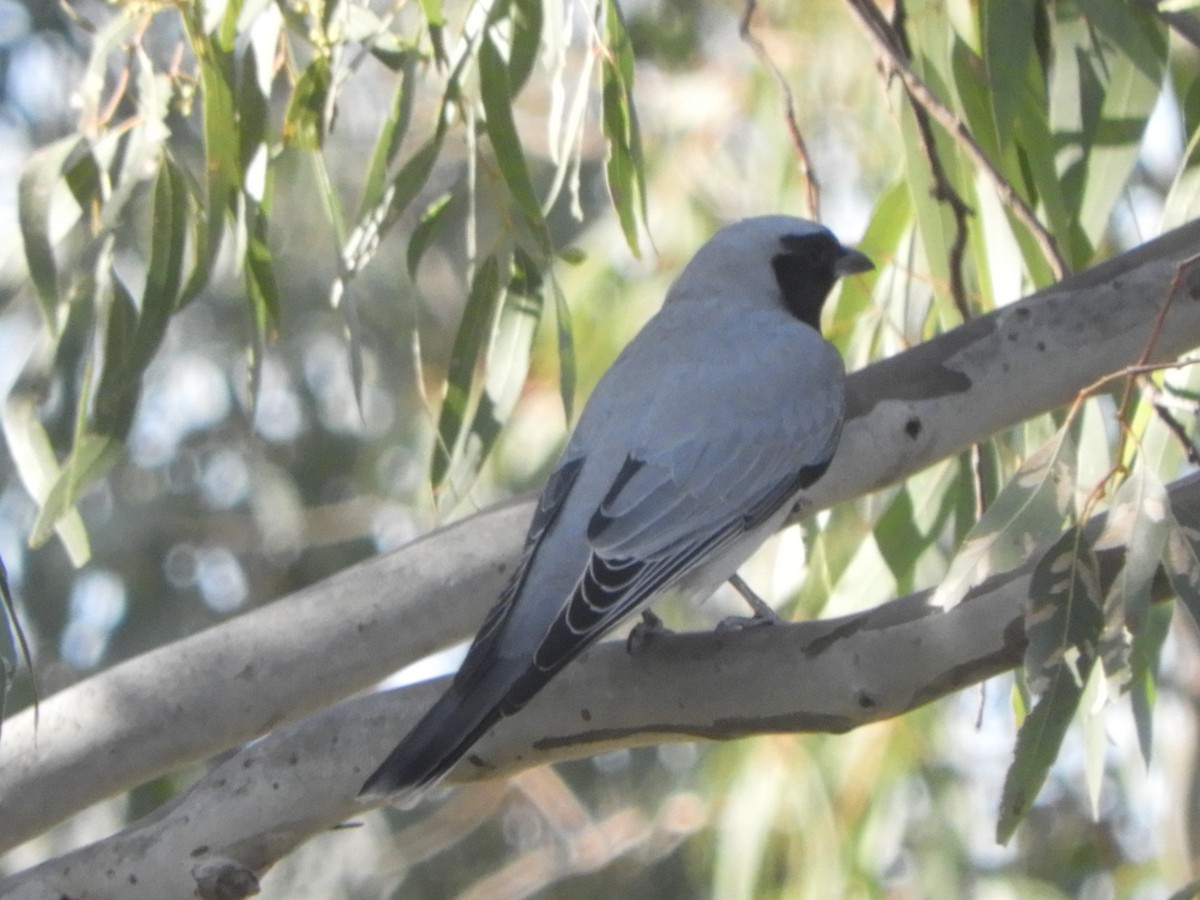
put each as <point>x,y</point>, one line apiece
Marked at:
<point>289,283</point>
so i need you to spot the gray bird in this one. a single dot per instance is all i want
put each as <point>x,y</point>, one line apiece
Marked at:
<point>684,460</point>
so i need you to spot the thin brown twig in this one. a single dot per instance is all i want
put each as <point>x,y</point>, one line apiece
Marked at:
<point>883,37</point>
<point>1129,374</point>
<point>1148,349</point>
<point>1176,428</point>
<point>789,110</point>
<point>943,190</point>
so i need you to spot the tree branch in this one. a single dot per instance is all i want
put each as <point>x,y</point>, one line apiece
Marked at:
<point>240,679</point>
<point>825,676</point>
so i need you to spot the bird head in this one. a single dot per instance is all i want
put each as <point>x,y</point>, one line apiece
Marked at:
<point>781,261</point>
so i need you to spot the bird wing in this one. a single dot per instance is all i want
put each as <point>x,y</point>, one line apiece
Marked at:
<point>710,465</point>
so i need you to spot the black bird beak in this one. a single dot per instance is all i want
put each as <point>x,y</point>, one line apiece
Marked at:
<point>852,262</point>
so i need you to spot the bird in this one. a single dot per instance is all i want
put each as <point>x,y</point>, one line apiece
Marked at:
<point>725,405</point>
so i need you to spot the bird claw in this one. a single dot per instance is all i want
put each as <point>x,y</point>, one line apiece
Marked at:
<point>763,613</point>
<point>741,623</point>
<point>644,631</point>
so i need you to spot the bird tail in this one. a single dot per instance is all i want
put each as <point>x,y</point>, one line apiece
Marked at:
<point>439,740</point>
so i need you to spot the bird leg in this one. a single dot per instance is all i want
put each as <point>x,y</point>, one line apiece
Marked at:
<point>763,614</point>
<point>644,631</point>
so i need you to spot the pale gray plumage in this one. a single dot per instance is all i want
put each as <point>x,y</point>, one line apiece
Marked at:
<point>720,410</point>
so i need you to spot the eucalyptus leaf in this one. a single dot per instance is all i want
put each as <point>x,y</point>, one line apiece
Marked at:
<point>474,333</point>
<point>1026,516</point>
<point>1064,620</point>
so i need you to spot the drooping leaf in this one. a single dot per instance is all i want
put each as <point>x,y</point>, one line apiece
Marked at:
<point>391,136</point>
<point>1063,625</point>
<point>1023,519</point>
<point>1038,741</point>
<point>425,231</point>
<point>1064,620</point>
<point>92,457</point>
<point>496,93</point>
<point>1136,521</point>
<point>222,142</point>
<point>1144,657</point>
<point>436,20</point>
<point>566,350</point>
<point>625,169</point>
<point>306,120</point>
<point>507,359</point>
<point>35,193</point>
<point>526,18</point>
<point>474,332</point>
<point>1093,703</point>
<point>38,467</point>
<point>1181,560</point>
<point>1008,46</point>
<point>261,288</point>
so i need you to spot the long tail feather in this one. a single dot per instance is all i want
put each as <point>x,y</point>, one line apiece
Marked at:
<point>439,740</point>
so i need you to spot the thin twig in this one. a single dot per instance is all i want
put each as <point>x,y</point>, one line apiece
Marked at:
<point>1147,350</point>
<point>945,192</point>
<point>883,37</point>
<point>1176,428</point>
<point>789,111</point>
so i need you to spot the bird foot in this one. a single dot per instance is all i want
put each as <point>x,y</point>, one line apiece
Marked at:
<point>645,631</point>
<point>763,613</point>
<point>741,623</point>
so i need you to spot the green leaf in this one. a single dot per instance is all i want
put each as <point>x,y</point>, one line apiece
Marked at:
<point>391,137</point>
<point>364,240</point>
<point>425,231</point>
<point>222,144</point>
<point>1144,659</point>
<point>1092,705</point>
<point>1008,46</point>
<point>92,457</point>
<point>1183,199</point>
<point>567,376</point>
<point>261,288</point>
<point>1024,518</point>
<point>1138,522</point>
<point>1065,618</point>
<point>39,180</point>
<point>507,358</point>
<point>436,20</point>
<point>1038,741</point>
<point>496,93</point>
<point>134,332</point>
<point>1181,560</point>
<point>526,40</point>
<point>832,547</point>
<point>38,467</point>
<point>625,169</point>
<point>305,122</point>
<point>1107,77</point>
<point>473,335</point>
<point>1139,34</point>
<point>915,520</point>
